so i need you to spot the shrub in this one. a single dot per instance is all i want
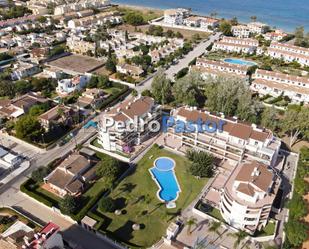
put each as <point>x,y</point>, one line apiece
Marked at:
<point>106,204</point>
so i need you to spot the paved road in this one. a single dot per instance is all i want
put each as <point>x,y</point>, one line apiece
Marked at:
<point>184,62</point>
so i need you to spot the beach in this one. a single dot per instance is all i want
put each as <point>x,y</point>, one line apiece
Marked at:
<point>284,14</point>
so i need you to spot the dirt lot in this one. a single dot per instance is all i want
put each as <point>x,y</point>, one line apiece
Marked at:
<point>76,64</point>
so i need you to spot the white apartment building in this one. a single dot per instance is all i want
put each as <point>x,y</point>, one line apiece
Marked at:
<point>289,53</point>
<point>68,86</point>
<point>236,141</point>
<point>258,28</point>
<point>86,4</point>
<point>205,23</point>
<point>276,84</point>
<point>23,69</point>
<point>215,68</point>
<point>241,41</point>
<point>229,46</point>
<point>248,196</point>
<point>141,108</point>
<point>276,35</point>
<point>241,31</point>
<point>176,16</point>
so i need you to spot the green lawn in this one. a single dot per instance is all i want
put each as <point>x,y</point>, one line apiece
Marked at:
<point>268,230</point>
<point>136,196</point>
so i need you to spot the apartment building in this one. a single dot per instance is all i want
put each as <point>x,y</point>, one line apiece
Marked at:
<point>276,35</point>
<point>238,45</point>
<point>139,108</point>
<point>98,19</point>
<point>258,28</point>
<point>236,141</point>
<point>176,16</point>
<point>215,68</point>
<point>86,4</point>
<point>289,53</point>
<point>248,196</point>
<point>80,46</point>
<point>276,84</point>
<point>71,176</point>
<point>241,31</point>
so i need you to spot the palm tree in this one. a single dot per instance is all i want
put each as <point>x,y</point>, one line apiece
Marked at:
<point>190,222</point>
<point>253,18</point>
<point>214,227</point>
<point>213,14</point>
<point>240,236</point>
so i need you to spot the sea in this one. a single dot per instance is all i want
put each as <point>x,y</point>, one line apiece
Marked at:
<point>283,14</point>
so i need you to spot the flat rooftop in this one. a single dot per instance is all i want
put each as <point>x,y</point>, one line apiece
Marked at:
<point>76,64</point>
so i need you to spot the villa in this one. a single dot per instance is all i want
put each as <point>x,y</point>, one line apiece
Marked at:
<point>205,23</point>
<point>258,28</point>
<point>289,53</point>
<point>80,46</point>
<point>92,97</point>
<point>141,108</point>
<point>248,196</point>
<point>276,35</point>
<point>68,86</point>
<point>276,84</point>
<point>237,141</point>
<point>215,68</point>
<point>71,176</point>
<point>132,70</point>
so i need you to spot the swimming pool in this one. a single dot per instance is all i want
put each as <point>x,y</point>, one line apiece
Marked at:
<point>164,175</point>
<point>239,62</point>
<point>91,123</point>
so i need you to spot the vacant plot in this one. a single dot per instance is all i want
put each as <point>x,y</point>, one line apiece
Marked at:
<point>76,64</point>
<point>136,197</point>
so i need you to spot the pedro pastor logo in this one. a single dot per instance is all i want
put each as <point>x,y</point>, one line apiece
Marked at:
<point>137,124</point>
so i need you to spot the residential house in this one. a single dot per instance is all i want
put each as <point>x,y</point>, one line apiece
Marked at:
<point>206,23</point>
<point>59,114</point>
<point>71,176</point>
<point>8,160</point>
<point>24,69</point>
<point>241,31</point>
<point>68,86</point>
<point>39,54</point>
<point>238,45</point>
<point>92,97</point>
<point>132,70</point>
<point>276,35</point>
<point>248,196</point>
<point>141,109</point>
<point>78,6</point>
<point>21,105</point>
<point>80,46</point>
<point>258,28</point>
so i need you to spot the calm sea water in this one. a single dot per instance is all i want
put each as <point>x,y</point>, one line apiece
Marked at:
<point>285,14</point>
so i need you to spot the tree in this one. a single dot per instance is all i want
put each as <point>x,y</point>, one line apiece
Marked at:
<point>146,92</point>
<point>161,88</point>
<point>234,21</point>
<point>183,72</point>
<point>240,236</point>
<point>295,123</point>
<point>214,227</point>
<point>42,19</point>
<point>22,86</point>
<point>226,28</point>
<point>190,222</point>
<point>253,18</point>
<point>202,163</point>
<point>111,65</point>
<point>108,170</point>
<point>134,93</point>
<point>134,19</point>
<point>38,109</point>
<point>39,174</point>
<point>187,90</point>
<point>269,118</point>
<point>68,205</point>
<point>103,81</point>
<point>107,204</point>
<point>27,127</point>
<point>296,232</point>
<point>297,207</point>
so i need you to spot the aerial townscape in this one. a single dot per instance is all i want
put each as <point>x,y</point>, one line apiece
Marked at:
<point>125,126</point>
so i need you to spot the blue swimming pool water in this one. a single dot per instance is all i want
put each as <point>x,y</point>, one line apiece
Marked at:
<point>239,62</point>
<point>163,173</point>
<point>91,123</point>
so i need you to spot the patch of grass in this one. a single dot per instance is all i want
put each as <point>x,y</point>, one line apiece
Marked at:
<point>136,196</point>
<point>268,230</point>
<point>207,209</point>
